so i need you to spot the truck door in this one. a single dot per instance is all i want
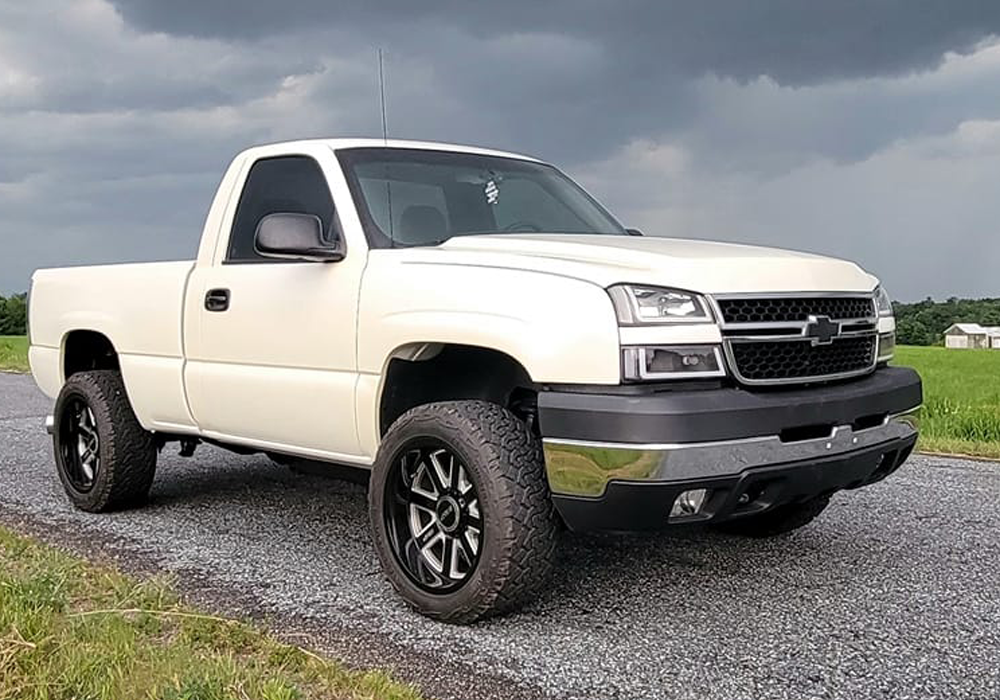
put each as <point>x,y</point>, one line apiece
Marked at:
<point>271,343</point>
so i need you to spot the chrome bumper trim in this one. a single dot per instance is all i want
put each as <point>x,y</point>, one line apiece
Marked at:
<point>50,424</point>
<point>582,468</point>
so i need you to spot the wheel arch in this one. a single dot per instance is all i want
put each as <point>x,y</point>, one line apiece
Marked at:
<point>85,349</point>
<point>423,372</point>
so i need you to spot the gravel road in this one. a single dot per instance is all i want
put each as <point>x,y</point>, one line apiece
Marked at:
<point>893,593</point>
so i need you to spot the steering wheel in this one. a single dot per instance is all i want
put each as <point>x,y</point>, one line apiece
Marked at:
<point>522,226</point>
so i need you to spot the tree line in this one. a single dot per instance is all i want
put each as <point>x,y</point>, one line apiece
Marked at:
<point>924,322</point>
<point>14,315</point>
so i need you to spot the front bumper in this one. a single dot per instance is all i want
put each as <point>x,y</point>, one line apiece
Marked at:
<point>618,461</point>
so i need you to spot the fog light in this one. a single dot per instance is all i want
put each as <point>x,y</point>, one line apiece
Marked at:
<point>886,346</point>
<point>689,503</point>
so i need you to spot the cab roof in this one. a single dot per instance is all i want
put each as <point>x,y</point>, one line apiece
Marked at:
<point>339,144</point>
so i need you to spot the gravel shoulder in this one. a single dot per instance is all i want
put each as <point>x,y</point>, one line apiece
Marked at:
<point>893,592</point>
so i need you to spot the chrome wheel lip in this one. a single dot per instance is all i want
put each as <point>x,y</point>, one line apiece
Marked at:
<point>433,517</point>
<point>79,444</point>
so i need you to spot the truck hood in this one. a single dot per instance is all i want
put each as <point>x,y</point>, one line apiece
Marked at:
<point>700,266</point>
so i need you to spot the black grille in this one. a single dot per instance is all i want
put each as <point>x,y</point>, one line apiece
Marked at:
<point>794,309</point>
<point>774,360</point>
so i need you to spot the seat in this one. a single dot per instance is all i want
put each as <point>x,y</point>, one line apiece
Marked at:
<point>421,223</point>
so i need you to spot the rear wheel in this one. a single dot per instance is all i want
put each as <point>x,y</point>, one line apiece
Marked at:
<point>779,521</point>
<point>462,518</point>
<point>104,458</point>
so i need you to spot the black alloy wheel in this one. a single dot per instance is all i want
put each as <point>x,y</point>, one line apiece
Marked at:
<point>432,517</point>
<point>80,444</point>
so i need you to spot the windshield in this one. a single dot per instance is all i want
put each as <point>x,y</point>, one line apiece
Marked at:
<point>415,197</point>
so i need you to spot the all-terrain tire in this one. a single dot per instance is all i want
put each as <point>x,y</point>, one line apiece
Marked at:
<point>505,463</point>
<point>127,452</point>
<point>780,521</point>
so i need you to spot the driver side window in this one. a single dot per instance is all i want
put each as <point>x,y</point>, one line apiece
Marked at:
<point>286,184</point>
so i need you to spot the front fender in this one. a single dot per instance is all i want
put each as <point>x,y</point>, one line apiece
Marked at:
<point>560,329</point>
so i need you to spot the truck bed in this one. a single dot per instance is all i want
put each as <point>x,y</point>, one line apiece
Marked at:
<point>137,306</point>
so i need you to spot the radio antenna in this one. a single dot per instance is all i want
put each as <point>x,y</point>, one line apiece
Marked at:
<point>385,142</point>
<point>381,92</point>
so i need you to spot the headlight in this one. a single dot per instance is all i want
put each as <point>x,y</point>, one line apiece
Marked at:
<point>636,305</point>
<point>671,362</point>
<point>886,341</point>
<point>882,302</point>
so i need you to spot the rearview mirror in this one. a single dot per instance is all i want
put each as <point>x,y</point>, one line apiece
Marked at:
<point>295,237</point>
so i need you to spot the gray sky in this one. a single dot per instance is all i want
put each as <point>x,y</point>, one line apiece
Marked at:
<point>863,129</point>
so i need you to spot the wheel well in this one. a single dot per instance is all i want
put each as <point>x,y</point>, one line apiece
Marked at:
<point>452,373</point>
<point>88,350</point>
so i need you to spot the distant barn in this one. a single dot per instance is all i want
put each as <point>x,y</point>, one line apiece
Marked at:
<point>972,336</point>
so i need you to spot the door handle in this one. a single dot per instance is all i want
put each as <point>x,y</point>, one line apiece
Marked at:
<point>217,300</point>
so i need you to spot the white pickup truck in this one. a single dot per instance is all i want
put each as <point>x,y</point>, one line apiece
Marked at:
<point>493,345</point>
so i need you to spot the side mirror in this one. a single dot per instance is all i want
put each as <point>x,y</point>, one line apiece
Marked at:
<point>295,237</point>
<point>633,232</point>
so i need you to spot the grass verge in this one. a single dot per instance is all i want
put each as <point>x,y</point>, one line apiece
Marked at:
<point>14,353</point>
<point>961,412</point>
<point>70,629</point>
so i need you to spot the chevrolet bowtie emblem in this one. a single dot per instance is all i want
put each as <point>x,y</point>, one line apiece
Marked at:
<point>821,330</point>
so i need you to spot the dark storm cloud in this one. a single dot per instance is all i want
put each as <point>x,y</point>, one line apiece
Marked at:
<point>859,129</point>
<point>794,41</point>
<point>549,77</point>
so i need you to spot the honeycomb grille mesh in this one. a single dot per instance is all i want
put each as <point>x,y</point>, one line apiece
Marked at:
<point>794,309</point>
<point>775,361</point>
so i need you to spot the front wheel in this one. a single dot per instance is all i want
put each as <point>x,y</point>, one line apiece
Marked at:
<point>463,522</point>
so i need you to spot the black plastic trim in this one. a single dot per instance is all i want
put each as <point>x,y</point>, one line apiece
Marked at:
<point>723,414</point>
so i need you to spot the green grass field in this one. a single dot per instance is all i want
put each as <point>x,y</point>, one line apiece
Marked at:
<point>961,399</point>
<point>961,394</point>
<point>70,629</point>
<point>14,353</point>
